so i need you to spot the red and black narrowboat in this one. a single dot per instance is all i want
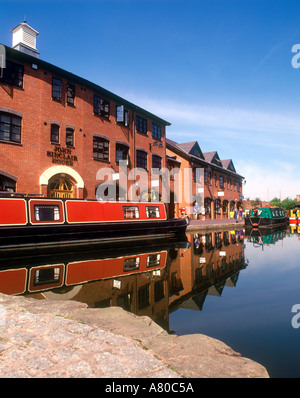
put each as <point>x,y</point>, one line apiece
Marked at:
<point>42,222</point>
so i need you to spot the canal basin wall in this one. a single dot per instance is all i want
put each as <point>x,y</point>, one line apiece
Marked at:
<point>66,339</point>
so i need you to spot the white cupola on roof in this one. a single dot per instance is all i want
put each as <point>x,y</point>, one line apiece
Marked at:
<point>24,39</point>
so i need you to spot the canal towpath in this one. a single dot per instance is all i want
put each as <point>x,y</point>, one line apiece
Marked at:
<point>215,224</point>
<point>66,339</point>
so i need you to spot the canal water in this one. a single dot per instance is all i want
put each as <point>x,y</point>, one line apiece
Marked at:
<point>237,286</point>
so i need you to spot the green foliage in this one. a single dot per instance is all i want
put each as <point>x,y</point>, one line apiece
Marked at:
<point>286,204</point>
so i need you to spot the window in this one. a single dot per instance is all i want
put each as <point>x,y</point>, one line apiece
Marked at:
<point>100,148</point>
<point>216,179</point>
<point>141,125</point>
<point>156,131</point>
<point>131,212</point>
<point>238,187</point>
<point>12,74</point>
<point>10,127</point>
<point>153,260</point>
<point>122,115</point>
<point>101,107</point>
<point>131,264</point>
<point>56,88</point>
<point>70,94</point>
<point>54,136</point>
<point>46,275</point>
<point>7,184</point>
<point>141,159</point>
<point>156,162</point>
<point>152,212</point>
<point>221,180</point>
<point>158,291</point>
<point>206,180</point>
<point>143,297</point>
<point>69,137</point>
<point>46,213</point>
<point>218,206</point>
<point>121,152</point>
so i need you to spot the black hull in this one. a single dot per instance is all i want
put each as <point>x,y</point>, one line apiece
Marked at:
<point>75,235</point>
<point>259,222</point>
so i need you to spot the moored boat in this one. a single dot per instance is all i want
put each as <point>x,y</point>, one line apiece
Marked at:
<point>294,216</point>
<point>266,217</point>
<point>38,222</point>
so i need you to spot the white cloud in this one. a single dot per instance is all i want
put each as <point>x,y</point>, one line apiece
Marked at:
<point>274,180</point>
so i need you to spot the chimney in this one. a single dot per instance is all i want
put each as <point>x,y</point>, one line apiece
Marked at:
<point>24,39</point>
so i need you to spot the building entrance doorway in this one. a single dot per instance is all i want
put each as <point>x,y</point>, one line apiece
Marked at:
<point>61,186</point>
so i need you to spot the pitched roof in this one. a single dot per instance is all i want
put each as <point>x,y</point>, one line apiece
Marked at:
<point>213,157</point>
<point>228,164</point>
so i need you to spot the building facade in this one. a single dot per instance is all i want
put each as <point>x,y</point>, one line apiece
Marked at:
<point>220,188</point>
<point>58,131</point>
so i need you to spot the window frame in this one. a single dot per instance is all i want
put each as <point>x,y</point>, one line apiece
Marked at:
<point>8,74</point>
<point>71,98</point>
<point>141,124</point>
<point>52,133</point>
<point>124,149</point>
<point>101,106</point>
<point>122,115</point>
<point>156,131</point>
<point>56,90</point>
<point>105,149</point>
<point>131,212</point>
<point>141,160</point>
<point>12,126</point>
<point>150,209</point>
<point>68,131</point>
<point>156,161</point>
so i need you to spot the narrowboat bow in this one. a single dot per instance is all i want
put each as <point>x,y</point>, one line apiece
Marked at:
<point>38,222</point>
<point>266,217</point>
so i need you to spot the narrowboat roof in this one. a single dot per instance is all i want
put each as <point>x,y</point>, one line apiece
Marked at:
<point>269,212</point>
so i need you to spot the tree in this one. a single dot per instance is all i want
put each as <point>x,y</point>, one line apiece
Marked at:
<point>275,202</point>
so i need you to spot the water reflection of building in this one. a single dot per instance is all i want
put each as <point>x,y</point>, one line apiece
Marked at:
<point>148,281</point>
<point>213,262</point>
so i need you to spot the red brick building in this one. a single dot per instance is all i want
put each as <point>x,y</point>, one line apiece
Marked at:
<point>57,130</point>
<point>221,188</point>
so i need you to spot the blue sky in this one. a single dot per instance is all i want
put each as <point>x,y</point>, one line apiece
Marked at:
<point>219,71</point>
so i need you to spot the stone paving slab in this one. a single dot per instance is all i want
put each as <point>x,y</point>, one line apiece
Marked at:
<point>65,339</point>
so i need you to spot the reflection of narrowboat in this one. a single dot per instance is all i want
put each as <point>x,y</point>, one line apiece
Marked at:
<point>262,237</point>
<point>266,217</point>
<point>32,222</point>
<point>29,275</point>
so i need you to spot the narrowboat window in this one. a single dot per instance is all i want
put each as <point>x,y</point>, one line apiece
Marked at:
<point>46,275</point>
<point>46,213</point>
<point>131,212</point>
<point>153,260</point>
<point>152,212</point>
<point>131,264</point>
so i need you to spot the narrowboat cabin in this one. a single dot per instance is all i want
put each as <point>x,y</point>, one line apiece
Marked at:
<point>38,222</point>
<point>294,217</point>
<point>266,217</point>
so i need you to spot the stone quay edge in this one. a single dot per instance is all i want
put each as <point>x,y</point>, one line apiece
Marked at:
<point>66,339</point>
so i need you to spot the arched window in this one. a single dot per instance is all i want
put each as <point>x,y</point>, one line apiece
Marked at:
<point>54,135</point>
